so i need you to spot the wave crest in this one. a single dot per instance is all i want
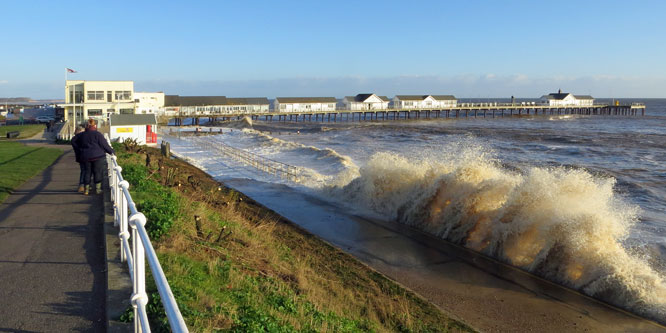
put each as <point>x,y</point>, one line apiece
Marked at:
<point>563,224</point>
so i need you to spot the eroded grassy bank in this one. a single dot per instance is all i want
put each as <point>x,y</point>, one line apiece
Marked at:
<point>236,266</point>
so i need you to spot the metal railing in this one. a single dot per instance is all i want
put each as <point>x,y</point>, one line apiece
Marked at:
<point>66,132</point>
<point>126,217</point>
<point>266,165</point>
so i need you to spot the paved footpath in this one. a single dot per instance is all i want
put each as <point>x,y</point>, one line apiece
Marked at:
<point>52,270</point>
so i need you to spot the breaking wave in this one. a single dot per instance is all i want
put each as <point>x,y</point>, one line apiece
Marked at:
<point>333,168</point>
<point>563,224</point>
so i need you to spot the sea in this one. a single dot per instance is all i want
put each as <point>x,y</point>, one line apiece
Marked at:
<point>578,200</point>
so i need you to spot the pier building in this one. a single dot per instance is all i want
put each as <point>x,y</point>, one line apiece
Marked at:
<point>566,99</point>
<point>365,102</point>
<point>221,105</point>
<point>424,101</point>
<point>304,104</point>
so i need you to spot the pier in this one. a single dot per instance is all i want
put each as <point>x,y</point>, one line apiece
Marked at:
<point>463,110</point>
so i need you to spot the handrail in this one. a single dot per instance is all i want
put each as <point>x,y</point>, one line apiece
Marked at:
<point>264,164</point>
<point>141,249</point>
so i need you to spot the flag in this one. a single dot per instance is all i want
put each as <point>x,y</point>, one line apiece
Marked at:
<point>69,70</point>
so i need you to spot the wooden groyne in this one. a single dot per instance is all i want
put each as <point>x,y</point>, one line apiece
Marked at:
<point>462,110</point>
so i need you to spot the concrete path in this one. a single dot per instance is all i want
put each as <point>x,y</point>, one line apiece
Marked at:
<point>52,271</point>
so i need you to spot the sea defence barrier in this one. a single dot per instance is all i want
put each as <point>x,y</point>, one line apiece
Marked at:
<point>263,164</point>
<point>462,110</point>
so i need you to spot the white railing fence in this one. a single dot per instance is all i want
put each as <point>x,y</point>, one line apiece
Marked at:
<point>140,250</point>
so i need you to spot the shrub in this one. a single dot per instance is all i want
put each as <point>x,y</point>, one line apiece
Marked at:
<point>161,210</point>
<point>137,176</point>
<point>159,204</point>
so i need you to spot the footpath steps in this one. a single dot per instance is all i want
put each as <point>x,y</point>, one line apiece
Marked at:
<point>52,259</point>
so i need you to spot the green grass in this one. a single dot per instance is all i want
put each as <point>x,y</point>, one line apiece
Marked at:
<point>19,163</point>
<point>27,131</point>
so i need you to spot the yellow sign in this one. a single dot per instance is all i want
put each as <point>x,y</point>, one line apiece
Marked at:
<point>124,130</point>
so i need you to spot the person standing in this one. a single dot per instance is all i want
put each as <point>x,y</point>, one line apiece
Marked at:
<point>77,155</point>
<point>93,148</point>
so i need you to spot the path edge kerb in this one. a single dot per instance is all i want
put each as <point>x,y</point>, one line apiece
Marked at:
<point>118,282</point>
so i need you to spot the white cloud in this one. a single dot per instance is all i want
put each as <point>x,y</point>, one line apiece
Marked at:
<point>4,82</point>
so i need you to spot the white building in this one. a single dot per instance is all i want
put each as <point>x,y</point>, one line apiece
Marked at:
<point>566,99</point>
<point>97,99</point>
<point>185,105</point>
<point>149,102</point>
<point>424,101</point>
<point>140,127</point>
<point>304,104</point>
<point>365,102</point>
<point>247,105</point>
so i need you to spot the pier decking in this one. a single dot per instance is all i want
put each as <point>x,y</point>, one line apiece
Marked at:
<point>462,110</point>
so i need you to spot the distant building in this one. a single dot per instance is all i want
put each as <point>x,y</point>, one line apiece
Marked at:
<point>304,104</point>
<point>247,105</point>
<point>140,127</point>
<point>424,101</point>
<point>365,102</point>
<point>174,104</point>
<point>97,99</point>
<point>566,99</point>
<point>149,102</point>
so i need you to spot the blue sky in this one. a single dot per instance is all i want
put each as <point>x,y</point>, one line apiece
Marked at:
<point>337,48</point>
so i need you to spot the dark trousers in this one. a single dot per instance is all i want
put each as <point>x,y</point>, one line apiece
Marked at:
<point>95,168</point>
<point>82,174</point>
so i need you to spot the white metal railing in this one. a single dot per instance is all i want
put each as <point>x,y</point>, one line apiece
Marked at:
<point>66,132</point>
<point>266,165</point>
<point>140,250</point>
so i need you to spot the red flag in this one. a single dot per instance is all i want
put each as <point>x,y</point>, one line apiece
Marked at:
<point>69,70</point>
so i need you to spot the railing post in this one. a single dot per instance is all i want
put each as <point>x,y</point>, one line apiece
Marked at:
<point>124,234</point>
<point>139,297</point>
<point>117,195</point>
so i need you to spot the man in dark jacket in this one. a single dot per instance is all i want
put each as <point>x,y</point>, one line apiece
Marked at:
<point>93,148</point>
<point>77,155</point>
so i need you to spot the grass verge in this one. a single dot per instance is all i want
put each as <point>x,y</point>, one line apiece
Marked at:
<point>26,131</point>
<point>235,266</point>
<point>19,163</point>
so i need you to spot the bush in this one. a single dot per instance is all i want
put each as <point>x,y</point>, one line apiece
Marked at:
<point>161,210</point>
<point>137,176</point>
<point>159,204</point>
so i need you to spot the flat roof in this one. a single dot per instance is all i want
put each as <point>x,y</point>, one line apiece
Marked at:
<point>132,119</point>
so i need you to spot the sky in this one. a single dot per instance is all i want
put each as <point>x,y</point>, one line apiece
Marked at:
<point>337,48</point>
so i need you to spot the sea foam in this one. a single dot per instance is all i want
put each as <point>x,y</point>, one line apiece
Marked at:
<point>563,224</point>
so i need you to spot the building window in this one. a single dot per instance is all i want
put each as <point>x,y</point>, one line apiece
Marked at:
<point>95,95</point>
<point>124,95</point>
<point>95,112</point>
<point>110,110</point>
<point>108,96</point>
<point>126,111</point>
<point>76,96</point>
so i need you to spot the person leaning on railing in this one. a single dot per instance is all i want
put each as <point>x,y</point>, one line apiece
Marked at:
<point>93,148</point>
